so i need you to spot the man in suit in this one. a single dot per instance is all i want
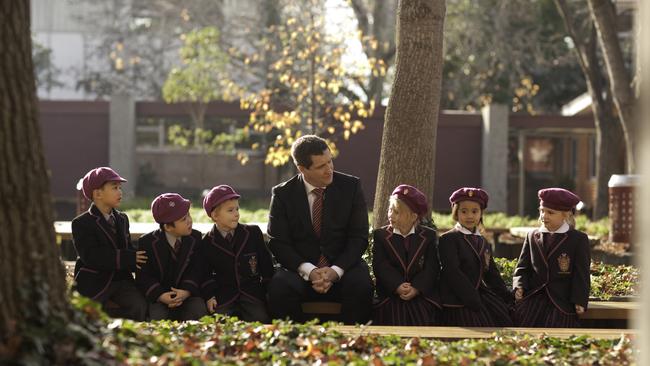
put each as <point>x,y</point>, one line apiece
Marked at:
<point>318,230</point>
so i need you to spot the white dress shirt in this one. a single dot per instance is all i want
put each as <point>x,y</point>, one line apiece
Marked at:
<point>305,268</point>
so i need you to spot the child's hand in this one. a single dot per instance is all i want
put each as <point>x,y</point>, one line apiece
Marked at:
<point>410,294</point>
<point>402,289</point>
<point>167,297</point>
<point>211,304</point>
<point>519,294</point>
<point>579,309</point>
<point>181,295</point>
<point>140,258</point>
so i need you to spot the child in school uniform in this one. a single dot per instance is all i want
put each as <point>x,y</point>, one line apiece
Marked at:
<point>471,289</point>
<point>234,264</point>
<point>551,281</point>
<point>170,250</point>
<point>107,258</point>
<point>405,263</point>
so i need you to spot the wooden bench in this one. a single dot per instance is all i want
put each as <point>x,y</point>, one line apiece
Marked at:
<point>451,333</point>
<point>616,310</point>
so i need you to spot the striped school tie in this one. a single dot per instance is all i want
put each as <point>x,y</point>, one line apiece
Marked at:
<point>112,224</point>
<point>317,220</point>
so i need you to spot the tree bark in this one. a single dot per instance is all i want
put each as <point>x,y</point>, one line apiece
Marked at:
<point>409,137</point>
<point>609,135</point>
<point>32,279</point>
<point>604,16</point>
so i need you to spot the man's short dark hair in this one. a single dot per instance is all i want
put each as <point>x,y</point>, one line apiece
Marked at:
<point>306,146</point>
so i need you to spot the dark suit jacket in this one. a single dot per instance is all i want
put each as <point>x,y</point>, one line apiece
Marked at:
<point>562,271</point>
<point>344,230</point>
<point>465,270</point>
<point>103,256</point>
<point>161,272</point>
<point>225,270</point>
<point>393,265</point>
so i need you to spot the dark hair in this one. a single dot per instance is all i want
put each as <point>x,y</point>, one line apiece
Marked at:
<point>162,226</point>
<point>306,146</point>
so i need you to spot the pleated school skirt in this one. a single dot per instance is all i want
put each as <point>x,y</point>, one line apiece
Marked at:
<point>416,312</point>
<point>494,312</point>
<point>538,310</point>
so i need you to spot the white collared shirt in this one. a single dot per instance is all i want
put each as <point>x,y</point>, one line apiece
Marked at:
<point>561,230</point>
<point>171,239</point>
<point>304,269</point>
<point>463,230</point>
<point>225,233</point>
<point>396,231</point>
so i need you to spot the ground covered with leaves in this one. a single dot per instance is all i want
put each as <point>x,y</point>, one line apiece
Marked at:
<point>222,340</point>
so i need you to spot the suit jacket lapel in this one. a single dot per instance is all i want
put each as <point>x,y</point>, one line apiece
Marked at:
<point>471,245</point>
<point>187,247</point>
<point>239,240</point>
<point>538,243</point>
<point>329,205</point>
<point>160,250</point>
<point>559,242</point>
<point>302,202</point>
<point>103,225</point>
<point>416,247</point>
<point>220,242</point>
<point>397,252</point>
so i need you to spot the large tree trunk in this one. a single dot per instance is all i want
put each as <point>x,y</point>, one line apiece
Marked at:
<point>609,135</point>
<point>409,139</point>
<point>32,280</point>
<point>604,16</point>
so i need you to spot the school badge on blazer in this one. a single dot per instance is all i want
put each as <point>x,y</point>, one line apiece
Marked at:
<point>564,261</point>
<point>252,263</point>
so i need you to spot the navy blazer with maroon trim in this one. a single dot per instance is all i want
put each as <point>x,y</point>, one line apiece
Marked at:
<point>394,265</point>
<point>103,256</point>
<point>153,278</point>
<point>344,231</point>
<point>226,271</point>
<point>464,270</point>
<point>562,271</point>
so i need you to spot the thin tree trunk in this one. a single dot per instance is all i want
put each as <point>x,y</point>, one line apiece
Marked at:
<point>608,132</point>
<point>32,279</point>
<point>409,139</point>
<point>604,16</point>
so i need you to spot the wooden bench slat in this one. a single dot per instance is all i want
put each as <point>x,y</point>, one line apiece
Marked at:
<point>461,333</point>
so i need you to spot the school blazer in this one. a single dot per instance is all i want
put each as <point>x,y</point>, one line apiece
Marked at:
<point>151,277</point>
<point>563,273</point>
<point>226,271</point>
<point>103,256</point>
<point>344,230</point>
<point>393,266</point>
<point>464,270</point>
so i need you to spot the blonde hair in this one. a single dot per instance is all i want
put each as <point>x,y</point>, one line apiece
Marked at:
<point>394,200</point>
<point>571,219</point>
<point>454,216</point>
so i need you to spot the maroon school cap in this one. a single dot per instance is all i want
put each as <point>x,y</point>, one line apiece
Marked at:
<point>216,196</point>
<point>169,207</point>
<point>96,178</point>
<point>558,199</point>
<point>470,194</point>
<point>412,197</point>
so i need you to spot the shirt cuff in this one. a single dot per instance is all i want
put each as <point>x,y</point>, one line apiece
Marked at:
<point>305,269</point>
<point>339,271</point>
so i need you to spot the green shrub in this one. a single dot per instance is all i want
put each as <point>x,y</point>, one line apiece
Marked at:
<point>607,280</point>
<point>222,340</point>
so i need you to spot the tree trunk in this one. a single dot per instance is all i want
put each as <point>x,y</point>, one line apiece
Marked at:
<point>409,139</point>
<point>609,134</point>
<point>604,16</point>
<point>32,279</point>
